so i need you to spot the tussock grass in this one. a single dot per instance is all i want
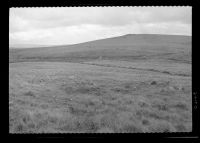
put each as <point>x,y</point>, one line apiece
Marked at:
<point>115,102</point>
<point>181,106</point>
<point>83,88</point>
<point>30,93</point>
<point>180,128</point>
<point>161,126</point>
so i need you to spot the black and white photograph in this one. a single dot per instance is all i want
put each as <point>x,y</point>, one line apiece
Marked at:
<point>100,69</point>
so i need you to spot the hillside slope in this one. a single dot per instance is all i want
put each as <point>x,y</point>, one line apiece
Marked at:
<point>127,47</point>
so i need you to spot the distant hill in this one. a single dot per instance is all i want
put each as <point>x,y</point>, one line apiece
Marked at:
<point>127,47</point>
<point>26,46</point>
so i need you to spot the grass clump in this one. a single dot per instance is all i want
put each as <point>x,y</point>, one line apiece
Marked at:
<point>130,128</point>
<point>20,122</point>
<point>121,90</point>
<point>30,93</point>
<point>145,122</point>
<point>181,106</point>
<point>162,107</point>
<point>105,130</point>
<point>84,88</point>
<point>161,126</point>
<point>180,128</point>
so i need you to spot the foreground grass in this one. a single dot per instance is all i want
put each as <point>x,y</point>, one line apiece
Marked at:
<point>61,97</point>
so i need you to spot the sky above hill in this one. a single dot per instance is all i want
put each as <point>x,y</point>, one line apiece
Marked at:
<point>71,25</point>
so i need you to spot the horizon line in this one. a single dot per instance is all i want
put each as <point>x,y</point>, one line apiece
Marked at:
<point>46,46</point>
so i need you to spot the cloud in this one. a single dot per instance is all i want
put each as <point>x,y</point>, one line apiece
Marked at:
<point>168,14</point>
<point>79,24</point>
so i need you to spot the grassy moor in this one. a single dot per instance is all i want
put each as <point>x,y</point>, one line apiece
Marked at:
<point>135,83</point>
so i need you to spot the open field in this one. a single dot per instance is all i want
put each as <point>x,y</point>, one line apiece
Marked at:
<point>107,86</point>
<point>72,97</point>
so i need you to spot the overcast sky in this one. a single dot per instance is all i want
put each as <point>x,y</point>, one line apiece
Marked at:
<point>70,25</point>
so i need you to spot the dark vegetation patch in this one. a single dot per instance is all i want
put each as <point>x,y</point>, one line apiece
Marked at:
<point>145,122</point>
<point>166,92</point>
<point>153,83</point>
<point>79,110</point>
<point>30,93</point>
<point>84,89</point>
<point>130,128</point>
<point>162,128</point>
<point>121,90</point>
<point>20,121</point>
<point>180,128</point>
<point>181,106</point>
<point>151,114</point>
<point>143,104</point>
<point>162,107</point>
